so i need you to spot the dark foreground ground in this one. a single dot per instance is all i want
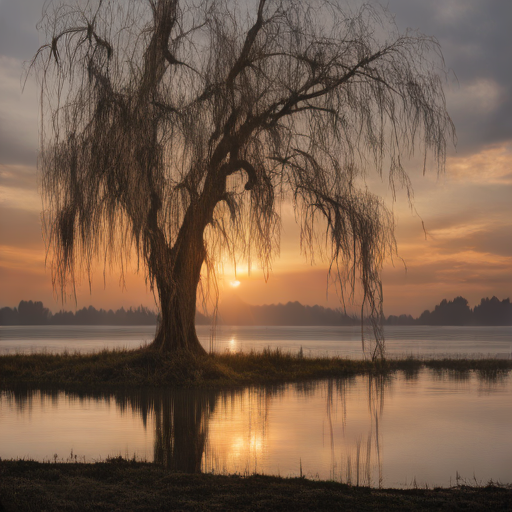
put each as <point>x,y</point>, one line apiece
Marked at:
<point>126,486</point>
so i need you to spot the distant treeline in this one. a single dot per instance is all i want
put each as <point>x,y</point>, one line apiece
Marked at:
<point>34,313</point>
<point>457,312</point>
<point>454,312</point>
<point>292,313</point>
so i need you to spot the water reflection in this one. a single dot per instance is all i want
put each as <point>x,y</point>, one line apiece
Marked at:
<point>180,424</point>
<point>370,430</point>
<point>360,462</point>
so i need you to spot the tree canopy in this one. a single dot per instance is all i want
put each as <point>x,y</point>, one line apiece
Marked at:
<point>175,129</point>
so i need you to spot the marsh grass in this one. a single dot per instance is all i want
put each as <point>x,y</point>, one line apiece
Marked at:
<point>122,484</point>
<point>146,367</point>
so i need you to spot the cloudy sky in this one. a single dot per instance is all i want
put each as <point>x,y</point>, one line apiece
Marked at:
<point>467,212</point>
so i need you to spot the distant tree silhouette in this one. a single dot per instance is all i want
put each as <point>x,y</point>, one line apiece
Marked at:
<point>37,314</point>
<point>176,128</point>
<point>424,318</point>
<point>400,320</point>
<point>291,313</point>
<point>63,318</point>
<point>493,312</point>
<point>33,313</point>
<point>9,316</point>
<point>456,312</point>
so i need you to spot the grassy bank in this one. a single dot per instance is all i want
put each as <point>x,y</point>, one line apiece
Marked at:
<point>123,485</point>
<point>145,367</point>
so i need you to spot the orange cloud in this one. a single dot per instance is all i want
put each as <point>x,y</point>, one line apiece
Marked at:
<point>490,166</point>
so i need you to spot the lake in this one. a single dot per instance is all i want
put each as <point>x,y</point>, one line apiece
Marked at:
<point>342,341</point>
<point>418,428</point>
<point>415,429</point>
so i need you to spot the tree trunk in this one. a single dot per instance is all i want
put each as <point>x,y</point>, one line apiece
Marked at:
<point>177,274</point>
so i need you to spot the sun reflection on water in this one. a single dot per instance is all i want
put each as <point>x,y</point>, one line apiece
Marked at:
<point>237,440</point>
<point>233,345</point>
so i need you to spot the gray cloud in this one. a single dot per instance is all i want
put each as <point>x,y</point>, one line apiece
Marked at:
<point>476,40</point>
<point>15,146</point>
<point>474,34</point>
<point>18,35</point>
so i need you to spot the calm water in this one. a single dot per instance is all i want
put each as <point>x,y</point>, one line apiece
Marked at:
<point>425,428</point>
<point>343,341</point>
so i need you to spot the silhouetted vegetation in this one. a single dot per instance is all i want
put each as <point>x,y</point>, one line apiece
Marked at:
<point>27,313</point>
<point>34,313</point>
<point>400,320</point>
<point>291,313</point>
<point>120,484</point>
<point>493,312</point>
<point>457,312</point>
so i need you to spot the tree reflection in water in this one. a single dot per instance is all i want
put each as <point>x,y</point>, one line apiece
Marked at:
<point>181,424</point>
<point>361,457</point>
<point>282,429</point>
<point>181,420</point>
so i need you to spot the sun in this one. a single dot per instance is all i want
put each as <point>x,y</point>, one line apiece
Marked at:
<point>234,284</point>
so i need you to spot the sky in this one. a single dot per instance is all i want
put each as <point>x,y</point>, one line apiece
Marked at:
<point>467,211</point>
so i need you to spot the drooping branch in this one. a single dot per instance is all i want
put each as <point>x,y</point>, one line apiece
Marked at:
<point>174,131</point>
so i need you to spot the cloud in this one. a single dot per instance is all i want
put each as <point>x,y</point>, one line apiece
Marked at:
<point>475,38</point>
<point>494,240</point>
<point>18,35</point>
<point>18,176</point>
<point>20,228</point>
<point>20,198</point>
<point>29,260</point>
<point>484,95</point>
<point>18,115</point>
<point>490,166</point>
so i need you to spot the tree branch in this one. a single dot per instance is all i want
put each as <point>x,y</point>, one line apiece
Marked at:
<point>243,59</point>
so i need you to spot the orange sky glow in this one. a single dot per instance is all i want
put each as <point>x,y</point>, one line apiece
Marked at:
<point>467,212</point>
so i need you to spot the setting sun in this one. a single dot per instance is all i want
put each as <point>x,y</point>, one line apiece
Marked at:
<point>234,284</point>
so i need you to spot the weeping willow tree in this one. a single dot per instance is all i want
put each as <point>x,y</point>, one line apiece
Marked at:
<point>174,130</point>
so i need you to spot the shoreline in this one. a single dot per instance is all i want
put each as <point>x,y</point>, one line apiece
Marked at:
<point>147,368</point>
<point>120,484</point>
